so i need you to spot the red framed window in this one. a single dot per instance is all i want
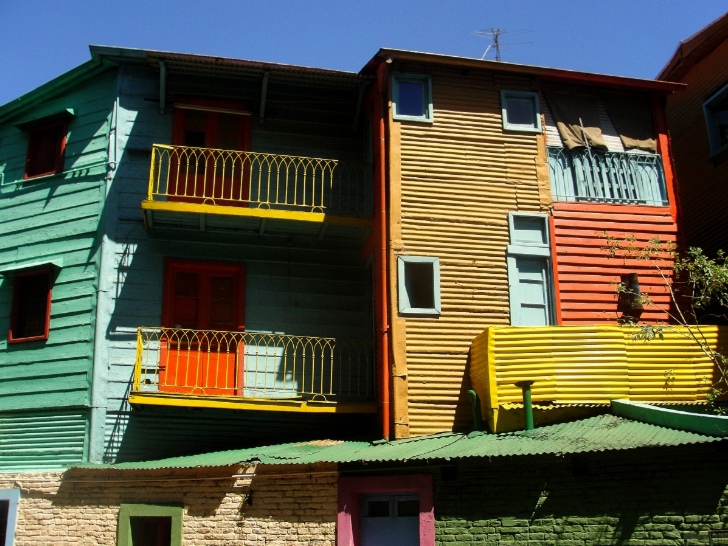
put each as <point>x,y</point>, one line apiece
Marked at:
<point>204,295</point>
<point>46,148</point>
<point>31,307</point>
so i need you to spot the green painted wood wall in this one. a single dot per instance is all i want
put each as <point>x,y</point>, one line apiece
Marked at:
<point>53,218</point>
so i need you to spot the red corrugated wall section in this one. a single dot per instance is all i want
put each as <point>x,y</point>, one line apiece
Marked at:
<point>586,274</point>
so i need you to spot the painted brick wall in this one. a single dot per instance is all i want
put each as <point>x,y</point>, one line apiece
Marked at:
<point>83,509</point>
<point>671,496</point>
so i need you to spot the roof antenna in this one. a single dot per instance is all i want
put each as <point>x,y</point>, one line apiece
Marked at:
<point>495,34</point>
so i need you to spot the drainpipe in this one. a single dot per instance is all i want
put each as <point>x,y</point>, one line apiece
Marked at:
<point>477,416</point>
<point>382,247</point>
<point>527,407</point>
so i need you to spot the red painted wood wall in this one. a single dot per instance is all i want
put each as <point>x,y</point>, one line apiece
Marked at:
<point>586,276</point>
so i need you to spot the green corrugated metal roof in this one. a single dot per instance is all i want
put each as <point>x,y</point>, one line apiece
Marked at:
<point>601,433</point>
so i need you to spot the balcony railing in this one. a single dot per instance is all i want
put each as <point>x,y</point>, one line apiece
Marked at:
<point>610,177</point>
<point>248,365</point>
<point>252,179</point>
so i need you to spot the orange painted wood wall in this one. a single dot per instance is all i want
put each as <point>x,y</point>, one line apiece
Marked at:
<point>587,276</point>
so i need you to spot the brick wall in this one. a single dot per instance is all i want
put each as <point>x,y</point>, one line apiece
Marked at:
<point>651,497</point>
<point>83,508</point>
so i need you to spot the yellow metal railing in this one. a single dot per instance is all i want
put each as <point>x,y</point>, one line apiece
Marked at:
<point>252,365</point>
<point>233,178</point>
<point>591,365</point>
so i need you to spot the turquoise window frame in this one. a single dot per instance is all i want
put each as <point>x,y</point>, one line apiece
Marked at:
<point>406,307</point>
<point>12,496</point>
<point>426,82</point>
<point>710,123</point>
<point>529,248</point>
<point>532,98</point>
<point>128,511</point>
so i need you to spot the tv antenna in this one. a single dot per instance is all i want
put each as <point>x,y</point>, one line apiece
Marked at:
<point>495,34</point>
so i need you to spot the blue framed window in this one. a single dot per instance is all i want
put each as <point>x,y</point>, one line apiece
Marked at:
<point>9,499</point>
<point>530,280</point>
<point>716,120</point>
<point>419,285</point>
<point>412,97</point>
<point>521,111</point>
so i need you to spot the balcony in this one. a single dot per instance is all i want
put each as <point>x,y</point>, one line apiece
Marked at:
<point>607,177</point>
<point>249,192</point>
<point>577,368</point>
<point>247,370</point>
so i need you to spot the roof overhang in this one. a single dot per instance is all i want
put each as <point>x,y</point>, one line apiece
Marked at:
<point>693,50</point>
<point>544,73</point>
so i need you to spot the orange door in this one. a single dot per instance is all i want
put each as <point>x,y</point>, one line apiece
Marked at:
<point>207,168</point>
<point>203,310</point>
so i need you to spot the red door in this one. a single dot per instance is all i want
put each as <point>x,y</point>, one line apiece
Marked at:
<point>203,308</point>
<point>207,168</point>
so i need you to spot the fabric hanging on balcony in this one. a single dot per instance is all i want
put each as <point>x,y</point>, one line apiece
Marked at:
<point>577,120</point>
<point>632,118</point>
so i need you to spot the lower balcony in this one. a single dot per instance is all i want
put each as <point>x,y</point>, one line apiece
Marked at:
<point>238,192</point>
<point>576,370</point>
<point>248,370</point>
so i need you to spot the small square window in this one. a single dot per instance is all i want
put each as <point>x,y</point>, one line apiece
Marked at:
<point>150,524</point>
<point>716,119</point>
<point>419,285</point>
<point>412,97</point>
<point>521,111</point>
<point>31,307</point>
<point>46,147</point>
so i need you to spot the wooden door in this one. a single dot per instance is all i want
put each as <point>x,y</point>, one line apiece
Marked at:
<point>207,169</point>
<point>203,308</point>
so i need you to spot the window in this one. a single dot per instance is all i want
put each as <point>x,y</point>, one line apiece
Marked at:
<point>382,510</point>
<point>412,97</point>
<point>9,499</point>
<point>521,111</point>
<point>46,146</point>
<point>31,306</point>
<point>716,119</point>
<point>149,525</point>
<point>529,271</point>
<point>419,285</point>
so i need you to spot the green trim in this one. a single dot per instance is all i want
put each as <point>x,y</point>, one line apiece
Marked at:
<point>535,125</point>
<point>427,115</point>
<point>55,263</point>
<point>128,511</point>
<point>711,425</point>
<point>29,123</point>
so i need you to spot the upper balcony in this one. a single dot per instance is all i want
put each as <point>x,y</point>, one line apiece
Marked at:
<point>252,370</point>
<point>577,369</point>
<point>230,191</point>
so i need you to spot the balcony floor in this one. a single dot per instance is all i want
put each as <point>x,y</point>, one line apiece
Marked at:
<point>297,405</point>
<point>171,215</point>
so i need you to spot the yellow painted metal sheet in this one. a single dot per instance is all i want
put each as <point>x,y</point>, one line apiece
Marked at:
<point>590,365</point>
<point>458,179</point>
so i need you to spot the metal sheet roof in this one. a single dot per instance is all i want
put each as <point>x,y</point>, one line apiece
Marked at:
<point>601,433</point>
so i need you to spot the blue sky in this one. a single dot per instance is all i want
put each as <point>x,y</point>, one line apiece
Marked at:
<point>624,37</point>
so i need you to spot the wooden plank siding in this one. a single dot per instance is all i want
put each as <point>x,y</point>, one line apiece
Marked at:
<point>588,276</point>
<point>55,217</point>
<point>460,176</point>
<point>45,386</point>
<point>293,286</point>
<point>702,183</point>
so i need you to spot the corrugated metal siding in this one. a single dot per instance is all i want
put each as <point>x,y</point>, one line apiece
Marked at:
<point>49,218</point>
<point>703,184</point>
<point>587,276</point>
<point>461,176</point>
<point>591,364</point>
<point>41,440</point>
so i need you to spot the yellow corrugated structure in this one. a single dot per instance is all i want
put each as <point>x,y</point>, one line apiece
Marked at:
<point>455,182</point>
<point>587,365</point>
